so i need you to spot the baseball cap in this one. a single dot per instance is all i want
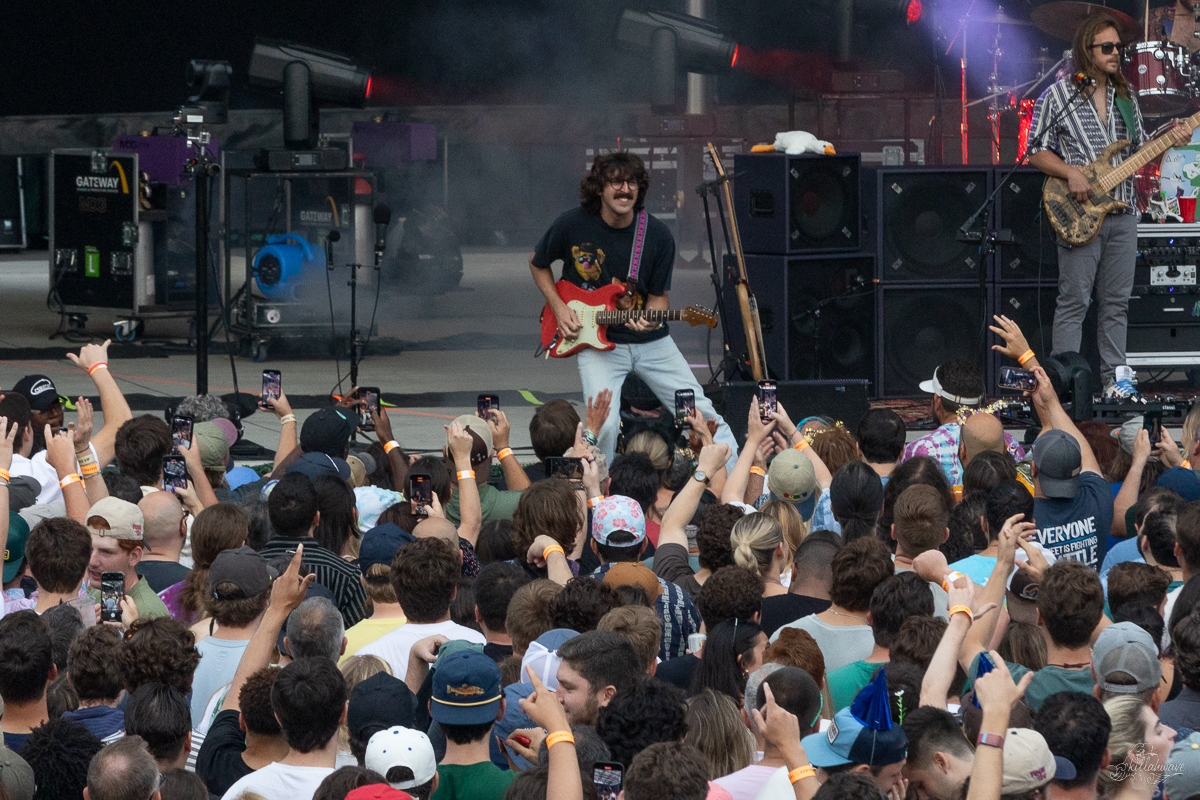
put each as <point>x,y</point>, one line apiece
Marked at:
<point>14,550</point>
<point>1181,774</point>
<point>381,701</point>
<point>40,391</point>
<point>934,386</point>
<point>16,775</point>
<point>315,464</point>
<point>634,574</point>
<point>618,513</point>
<point>228,428</point>
<point>214,446</point>
<point>23,492</point>
<point>124,519</point>
<point>1058,460</point>
<point>1183,482</point>
<point>245,568</point>
<point>849,741</point>
<point>1029,764</point>
<point>480,426</point>
<point>327,431</point>
<point>377,791</point>
<point>466,689</point>
<point>1126,435</point>
<point>361,466</point>
<point>402,747</point>
<point>542,655</point>
<point>379,545</point>
<point>791,477</point>
<point>1124,647</point>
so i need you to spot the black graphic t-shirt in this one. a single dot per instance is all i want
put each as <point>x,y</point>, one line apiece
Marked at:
<point>595,255</point>
<point>1077,527</point>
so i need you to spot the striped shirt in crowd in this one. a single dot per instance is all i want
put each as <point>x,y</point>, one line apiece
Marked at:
<point>1078,135</point>
<point>332,571</point>
<point>677,611</point>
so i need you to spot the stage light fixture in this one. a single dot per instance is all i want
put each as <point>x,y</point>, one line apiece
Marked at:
<point>675,42</point>
<point>210,104</point>
<point>1071,376</point>
<point>305,74</point>
<point>912,10</point>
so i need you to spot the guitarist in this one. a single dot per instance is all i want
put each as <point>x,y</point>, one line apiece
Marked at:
<point>597,243</point>
<point>1066,133</point>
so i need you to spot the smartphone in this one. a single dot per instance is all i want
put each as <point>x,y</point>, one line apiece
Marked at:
<point>485,403</point>
<point>608,777</point>
<point>174,472</point>
<point>181,430</point>
<point>370,397</point>
<point>420,494</point>
<point>565,467</point>
<point>766,400</point>
<point>696,642</point>
<point>685,403</point>
<point>272,386</point>
<point>112,591</point>
<point>1152,422</point>
<point>1016,378</point>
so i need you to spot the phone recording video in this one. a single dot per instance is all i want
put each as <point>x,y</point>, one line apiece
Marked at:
<point>767,404</point>
<point>420,494</point>
<point>181,430</point>
<point>685,404</point>
<point>608,777</point>
<point>566,467</point>
<point>370,397</point>
<point>272,386</point>
<point>1022,380</point>
<point>486,403</point>
<point>112,591</point>
<point>1152,422</point>
<point>174,470</point>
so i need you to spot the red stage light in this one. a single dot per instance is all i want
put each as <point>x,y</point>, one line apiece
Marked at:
<point>912,12</point>
<point>733,59</point>
<point>368,92</point>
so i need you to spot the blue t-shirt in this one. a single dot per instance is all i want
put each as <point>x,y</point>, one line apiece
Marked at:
<point>102,721</point>
<point>1077,527</point>
<point>1126,550</point>
<point>977,568</point>
<point>822,518</point>
<point>16,741</point>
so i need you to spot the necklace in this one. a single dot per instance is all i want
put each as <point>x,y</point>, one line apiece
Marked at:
<point>851,616</point>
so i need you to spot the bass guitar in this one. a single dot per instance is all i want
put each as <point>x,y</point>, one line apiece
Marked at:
<point>597,309</point>
<point>1078,223</point>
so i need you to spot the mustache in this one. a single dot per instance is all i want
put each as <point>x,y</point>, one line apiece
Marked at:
<point>625,196</point>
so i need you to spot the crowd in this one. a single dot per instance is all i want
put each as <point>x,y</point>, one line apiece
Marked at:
<point>843,614</point>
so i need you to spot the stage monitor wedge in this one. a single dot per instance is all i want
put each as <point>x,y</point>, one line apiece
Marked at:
<point>789,204</point>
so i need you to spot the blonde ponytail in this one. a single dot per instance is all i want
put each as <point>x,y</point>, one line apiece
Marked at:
<point>754,538</point>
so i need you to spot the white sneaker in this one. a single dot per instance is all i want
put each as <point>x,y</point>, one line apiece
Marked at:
<point>1124,386</point>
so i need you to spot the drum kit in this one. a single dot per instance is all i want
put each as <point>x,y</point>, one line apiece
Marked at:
<point>1163,73</point>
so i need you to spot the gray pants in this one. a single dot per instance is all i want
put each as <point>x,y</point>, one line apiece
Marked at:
<point>1105,263</point>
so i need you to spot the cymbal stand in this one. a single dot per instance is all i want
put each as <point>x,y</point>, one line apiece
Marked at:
<point>995,91</point>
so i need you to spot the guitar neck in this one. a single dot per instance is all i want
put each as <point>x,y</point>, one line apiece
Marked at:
<point>653,315</point>
<point>1141,158</point>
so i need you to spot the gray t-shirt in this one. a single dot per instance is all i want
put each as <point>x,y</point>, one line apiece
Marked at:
<point>218,662</point>
<point>841,645</point>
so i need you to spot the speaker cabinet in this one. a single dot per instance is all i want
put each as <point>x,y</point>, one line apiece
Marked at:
<point>923,326</point>
<point>818,315</point>
<point>920,212</point>
<point>844,400</point>
<point>1033,255</point>
<point>797,204</point>
<point>12,203</point>
<point>1031,306</point>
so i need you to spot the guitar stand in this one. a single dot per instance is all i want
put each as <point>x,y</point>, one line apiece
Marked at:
<point>730,368</point>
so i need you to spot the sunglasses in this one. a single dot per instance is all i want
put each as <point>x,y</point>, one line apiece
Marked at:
<point>1107,48</point>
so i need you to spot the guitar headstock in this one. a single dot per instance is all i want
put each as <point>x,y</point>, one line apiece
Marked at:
<point>712,152</point>
<point>695,315</point>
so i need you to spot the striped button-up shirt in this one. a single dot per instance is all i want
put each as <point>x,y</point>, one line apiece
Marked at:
<point>676,610</point>
<point>333,572</point>
<point>1078,135</point>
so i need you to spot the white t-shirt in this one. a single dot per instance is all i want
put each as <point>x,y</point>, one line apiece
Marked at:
<point>40,471</point>
<point>394,647</point>
<point>746,783</point>
<point>278,781</point>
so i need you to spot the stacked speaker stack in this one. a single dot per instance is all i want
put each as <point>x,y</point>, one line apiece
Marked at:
<point>859,273</point>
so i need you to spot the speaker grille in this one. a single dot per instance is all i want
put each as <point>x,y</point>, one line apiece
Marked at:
<point>921,213</point>
<point>923,327</point>
<point>831,338</point>
<point>1034,255</point>
<point>824,201</point>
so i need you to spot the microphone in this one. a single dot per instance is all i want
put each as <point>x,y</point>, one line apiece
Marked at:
<point>330,238</point>
<point>1081,81</point>
<point>383,215</point>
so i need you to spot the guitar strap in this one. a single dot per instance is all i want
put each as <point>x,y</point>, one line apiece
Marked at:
<point>1125,106</point>
<point>639,241</point>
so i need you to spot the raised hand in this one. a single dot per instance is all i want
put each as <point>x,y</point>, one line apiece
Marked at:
<point>597,410</point>
<point>1015,344</point>
<point>82,432</point>
<point>90,355</point>
<point>8,439</point>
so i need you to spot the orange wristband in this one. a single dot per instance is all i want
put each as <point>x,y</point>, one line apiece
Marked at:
<point>68,480</point>
<point>961,610</point>
<point>1186,464</point>
<point>1021,359</point>
<point>595,501</point>
<point>88,470</point>
<point>4,475</point>
<point>800,445</point>
<point>757,471</point>
<point>390,446</point>
<point>800,773</point>
<point>559,736</point>
<point>949,579</point>
<point>465,474</point>
<point>503,454</point>
<point>554,548</point>
<point>101,365</point>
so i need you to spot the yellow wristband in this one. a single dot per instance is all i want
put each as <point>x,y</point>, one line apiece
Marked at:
<point>4,474</point>
<point>800,445</point>
<point>554,548</point>
<point>1021,359</point>
<point>949,579</point>
<point>757,471</point>
<point>101,365</point>
<point>465,474</point>
<point>390,446</point>
<point>88,470</point>
<point>800,773</point>
<point>961,610</point>
<point>595,501</point>
<point>559,736</point>
<point>72,478</point>
<point>504,453</point>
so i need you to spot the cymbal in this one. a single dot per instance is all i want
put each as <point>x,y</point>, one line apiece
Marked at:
<point>1061,17</point>
<point>999,18</point>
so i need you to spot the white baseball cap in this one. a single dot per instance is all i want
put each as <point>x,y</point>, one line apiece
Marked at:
<point>402,747</point>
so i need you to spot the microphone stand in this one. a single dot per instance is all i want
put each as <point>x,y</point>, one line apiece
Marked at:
<point>729,366</point>
<point>858,289</point>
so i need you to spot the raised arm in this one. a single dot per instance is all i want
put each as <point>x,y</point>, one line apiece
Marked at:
<point>199,478</point>
<point>60,454</point>
<point>683,507</point>
<point>7,437</point>
<point>756,431</point>
<point>997,694</point>
<point>980,634</point>
<point>89,466</point>
<point>781,729</point>
<point>543,708</point>
<point>1130,487</point>
<point>287,426</point>
<point>470,512</point>
<point>514,477</point>
<point>1015,345</point>
<point>936,685</point>
<point>795,437</point>
<point>93,358</point>
<point>1052,415</point>
<point>397,458</point>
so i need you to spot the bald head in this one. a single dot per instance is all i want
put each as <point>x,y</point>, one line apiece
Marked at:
<point>163,528</point>
<point>981,432</point>
<point>437,528</point>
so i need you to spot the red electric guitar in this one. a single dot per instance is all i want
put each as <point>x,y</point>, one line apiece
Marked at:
<point>597,310</point>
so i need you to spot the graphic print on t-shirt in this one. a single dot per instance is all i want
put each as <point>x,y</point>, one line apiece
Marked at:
<point>589,260</point>
<point>1076,540</point>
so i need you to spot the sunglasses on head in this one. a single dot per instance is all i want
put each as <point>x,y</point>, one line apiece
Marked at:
<point>1107,48</point>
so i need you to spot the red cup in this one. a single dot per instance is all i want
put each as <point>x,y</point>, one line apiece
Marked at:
<point>1187,209</point>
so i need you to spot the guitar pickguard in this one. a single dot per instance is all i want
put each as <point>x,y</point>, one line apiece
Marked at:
<point>590,333</point>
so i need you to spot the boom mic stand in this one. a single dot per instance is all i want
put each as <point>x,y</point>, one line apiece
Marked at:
<point>729,366</point>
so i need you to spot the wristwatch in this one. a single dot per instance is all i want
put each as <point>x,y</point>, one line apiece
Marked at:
<point>700,476</point>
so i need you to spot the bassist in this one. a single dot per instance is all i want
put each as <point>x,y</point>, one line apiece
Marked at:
<point>604,240</point>
<point>1067,133</point>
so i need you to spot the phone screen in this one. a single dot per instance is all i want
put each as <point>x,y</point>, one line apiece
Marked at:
<point>420,494</point>
<point>272,386</point>
<point>370,397</point>
<point>112,590</point>
<point>1016,378</point>
<point>485,403</point>
<point>685,403</point>
<point>565,467</point>
<point>766,400</point>
<point>608,776</point>
<point>1152,422</point>
<point>181,431</point>
<point>174,472</point>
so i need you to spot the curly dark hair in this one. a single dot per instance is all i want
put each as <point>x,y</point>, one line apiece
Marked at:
<point>160,650</point>
<point>255,701</point>
<point>59,753</point>
<point>613,167</point>
<point>712,538</point>
<point>636,717</point>
<point>667,769</point>
<point>92,665</point>
<point>962,377</point>
<point>581,604</point>
<point>857,569</point>
<point>731,592</point>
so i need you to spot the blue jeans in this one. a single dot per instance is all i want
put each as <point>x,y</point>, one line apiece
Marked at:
<point>663,368</point>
